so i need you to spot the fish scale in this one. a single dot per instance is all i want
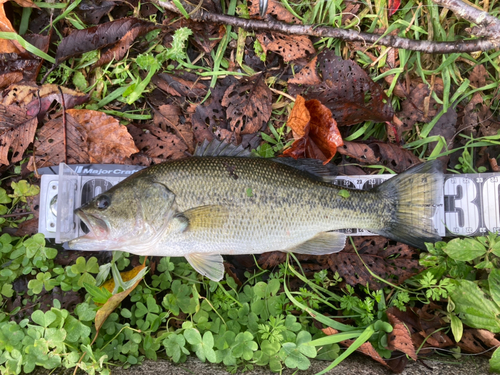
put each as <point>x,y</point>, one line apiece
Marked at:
<point>202,207</point>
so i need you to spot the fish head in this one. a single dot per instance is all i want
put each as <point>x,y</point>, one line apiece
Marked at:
<point>132,216</point>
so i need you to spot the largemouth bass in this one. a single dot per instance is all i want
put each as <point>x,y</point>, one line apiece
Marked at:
<point>202,207</point>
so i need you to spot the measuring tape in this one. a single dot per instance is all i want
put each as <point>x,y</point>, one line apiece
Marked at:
<point>470,207</point>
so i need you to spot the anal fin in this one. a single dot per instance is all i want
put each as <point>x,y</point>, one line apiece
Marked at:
<point>209,265</point>
<point>322,243</point>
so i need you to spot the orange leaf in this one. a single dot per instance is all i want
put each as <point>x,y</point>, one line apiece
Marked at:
<point>299,117</point>
<point>324,131</point>
<point>113,302</point>
<point>317,129</point>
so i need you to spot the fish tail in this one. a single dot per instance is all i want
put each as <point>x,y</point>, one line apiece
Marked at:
<point>412,198</point>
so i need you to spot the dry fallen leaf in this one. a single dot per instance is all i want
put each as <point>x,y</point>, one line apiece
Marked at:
<point>399,338</point>
<point>318,132</point>
<point>290,47</point>
<point>108,141</point>
<point>8,46</point>
<point>158,144</point>
<point>17,131</point>
<point>49,146</point>
<point>395,263</point>
<point>249,104</point>
<point>112,303</point>
<point>346,90</point>
<point>308,75</point>
<point>37,99</point>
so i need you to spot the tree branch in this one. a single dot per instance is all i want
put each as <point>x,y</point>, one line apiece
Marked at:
<point>489,26</point>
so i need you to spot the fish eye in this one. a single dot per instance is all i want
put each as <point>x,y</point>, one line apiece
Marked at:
<point>103,202</point>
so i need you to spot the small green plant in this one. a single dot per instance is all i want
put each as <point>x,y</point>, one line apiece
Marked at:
<point>276,144</point>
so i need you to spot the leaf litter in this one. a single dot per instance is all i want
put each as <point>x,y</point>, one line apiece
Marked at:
<point>331,95</point>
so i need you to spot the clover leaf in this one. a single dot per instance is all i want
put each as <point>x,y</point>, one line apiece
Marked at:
<point>295,354</point>
<point>244,346</point>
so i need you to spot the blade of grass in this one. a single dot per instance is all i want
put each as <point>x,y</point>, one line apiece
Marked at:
<point>364,337</point>
<point>29,47</point>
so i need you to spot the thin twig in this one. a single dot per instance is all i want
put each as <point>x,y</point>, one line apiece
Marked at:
<point>65,138</point>
<point>488,26</point>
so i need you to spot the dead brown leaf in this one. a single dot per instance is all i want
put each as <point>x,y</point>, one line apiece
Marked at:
<point>399,338</point>
<point>210,116</point>
<point>17,131</point>
<point>101,36</point>
<point>249,104</point>
<point>276,9</point>
<point>290,47</point>
<point>158,144</point>
<point>395,263</point>
<point>8,46</point>
<point>181,84</point>
<point>108,141</point>
<point>37,99</point>
<point>359,151</point>
<point>347,91</point>
<point>419,106</point>
<point>308,74</point>
<point>389,154</point>
<point>167,117</point>
<point>469,343</point>
<point>120,49</point>
<point>49,145</point>
<point>319,135</point>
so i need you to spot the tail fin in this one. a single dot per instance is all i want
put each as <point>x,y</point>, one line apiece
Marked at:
<point>415,195</point>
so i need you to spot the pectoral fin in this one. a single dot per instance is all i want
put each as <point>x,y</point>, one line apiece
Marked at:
<point>206,217</point>
<point>209,265</point>
<point>322,243</point>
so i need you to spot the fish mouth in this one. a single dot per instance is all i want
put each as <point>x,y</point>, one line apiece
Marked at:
<point>98,232</point>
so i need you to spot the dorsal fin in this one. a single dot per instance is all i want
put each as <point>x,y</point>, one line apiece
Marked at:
<point>326,173</point>
<point>313,167</point>
<point>221,148</point>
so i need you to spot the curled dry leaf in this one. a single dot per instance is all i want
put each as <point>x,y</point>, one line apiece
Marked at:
<point>49,145</point>
<point>108,141</point>
<point>318,132</point>
<point>17,131</point>
<point>347,91</point>
<point>97,37</point>
<point>249,104</point>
